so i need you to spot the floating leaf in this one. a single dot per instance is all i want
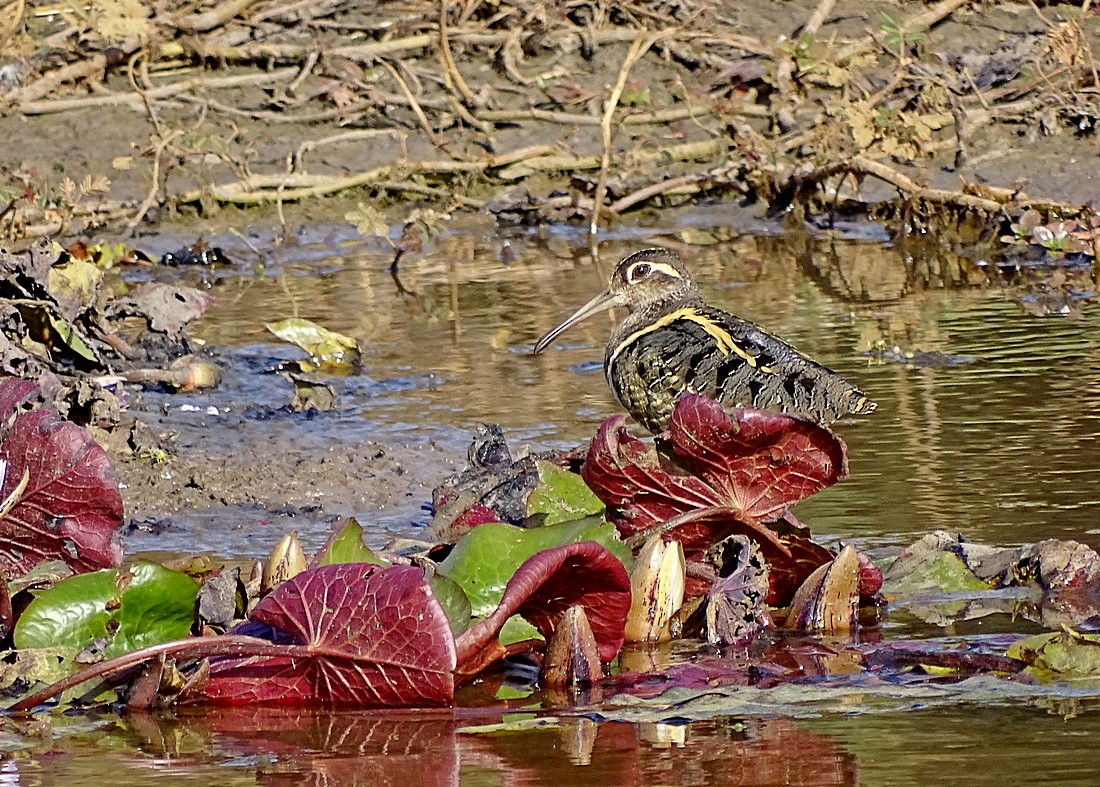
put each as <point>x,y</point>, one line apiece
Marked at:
<point>1066,654</point>
<point>561,496</point>
<point>126,608</point>
<point>485,559</point>
<point>354,635</point>
<point>585,574</point>
<point>325,347</point>
<point>69,507</point>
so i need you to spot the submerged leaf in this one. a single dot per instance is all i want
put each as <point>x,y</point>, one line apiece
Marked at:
<point>325,347</point>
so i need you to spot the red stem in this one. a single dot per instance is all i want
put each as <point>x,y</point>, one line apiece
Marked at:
<point>225,645</point>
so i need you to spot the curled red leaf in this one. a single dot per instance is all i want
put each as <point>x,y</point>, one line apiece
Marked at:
<point>61,500</point>
<point>356,634</point>
<point>584,574</point>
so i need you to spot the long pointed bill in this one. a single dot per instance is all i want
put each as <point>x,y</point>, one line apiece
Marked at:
<point>605,300</point>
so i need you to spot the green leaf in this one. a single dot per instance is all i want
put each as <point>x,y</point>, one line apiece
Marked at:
<point>71,338</point>
<point>456,606</point>
<point>561,496</point>
<point>485,559</point>
<point>347,547</point>
<point>939,572</point>
<point>325,347</point>
<point>131,608</point>
<point>1066,654</point>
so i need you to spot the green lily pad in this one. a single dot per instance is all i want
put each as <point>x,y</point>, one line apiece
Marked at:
<point>325,347</point>
<point>940,572</point>
<point>347,547</point>
<point>485,559</point>
<point>561,496</point>
<point>456,606</point>
<point>128,608</point>
<point>1063,654</point>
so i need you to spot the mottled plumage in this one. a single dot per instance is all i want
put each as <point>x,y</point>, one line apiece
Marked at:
<point>672,342</point>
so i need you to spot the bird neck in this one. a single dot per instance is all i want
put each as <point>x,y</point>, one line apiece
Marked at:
<point>647,314</point>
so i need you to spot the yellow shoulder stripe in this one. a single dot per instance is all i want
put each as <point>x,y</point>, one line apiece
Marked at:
<point>725,342</point>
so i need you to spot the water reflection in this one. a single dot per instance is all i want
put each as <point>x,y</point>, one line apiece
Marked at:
<point>1001,445</point>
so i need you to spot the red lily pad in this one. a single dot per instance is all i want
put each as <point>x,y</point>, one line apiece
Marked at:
<point>722,472</point>
<point>62,500</point>
<point>355,634</point>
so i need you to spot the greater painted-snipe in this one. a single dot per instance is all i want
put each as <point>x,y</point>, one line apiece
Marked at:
<point>672,342</point>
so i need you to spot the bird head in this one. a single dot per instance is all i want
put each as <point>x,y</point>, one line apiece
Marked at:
<point>644,279</point>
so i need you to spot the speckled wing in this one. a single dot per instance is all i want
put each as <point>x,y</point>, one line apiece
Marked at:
<point>711,352</point>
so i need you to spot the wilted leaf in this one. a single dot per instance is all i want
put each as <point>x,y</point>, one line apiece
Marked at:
<point>311,394</point>
<point>75,286</point>
<point>368,221</point>
<point>485,560</point>
<point>561,496</point>
<point>357,635</point>
<point>166,308</point>
<point>325,347</point>
<point>128,608</point>
<point>734,610</point>
<point>70,507</point>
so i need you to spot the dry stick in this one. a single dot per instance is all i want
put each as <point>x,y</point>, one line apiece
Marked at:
<point>662,187</point>
<point>215,17</point>
<point>784,72</point>
<point>451,75</point>
<point>640,46</point>
<point>151,196</point>
<point>643,118</point>
<point>165,91</point>
<point>345,136</point>
<point>434,138</point>
<point>683,152</point>
<point>866,166</point>
<point>16,18</point>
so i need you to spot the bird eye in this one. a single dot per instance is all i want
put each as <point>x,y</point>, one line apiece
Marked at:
<point>640,271</point>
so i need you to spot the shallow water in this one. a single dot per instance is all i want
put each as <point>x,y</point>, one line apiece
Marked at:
<point>1000,443</point>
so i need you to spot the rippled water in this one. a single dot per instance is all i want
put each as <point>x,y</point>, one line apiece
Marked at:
<point>998,439</point>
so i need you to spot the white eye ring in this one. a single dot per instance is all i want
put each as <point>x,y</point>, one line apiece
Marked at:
<point>639,270</point>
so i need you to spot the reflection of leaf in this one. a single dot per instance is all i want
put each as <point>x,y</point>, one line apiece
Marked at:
<point>325,347</point>
<point>359,635</point>
<point>70,507</point>
<point>132,608</point>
